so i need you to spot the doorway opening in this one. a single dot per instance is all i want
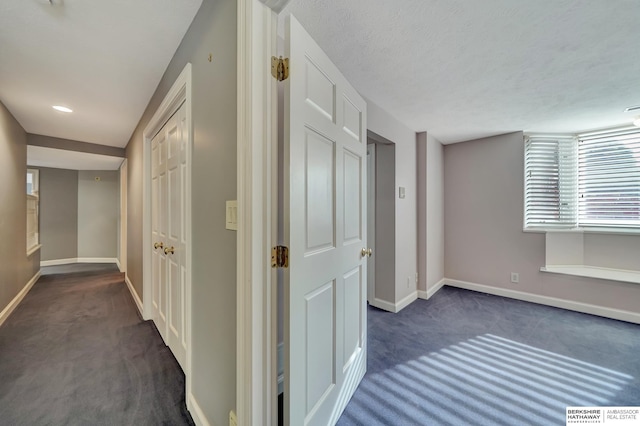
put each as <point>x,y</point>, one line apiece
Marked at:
<point>381,220</point>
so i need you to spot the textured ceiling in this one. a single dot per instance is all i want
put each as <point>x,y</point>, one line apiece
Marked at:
<point>463,69</point>
<point>103,59</point>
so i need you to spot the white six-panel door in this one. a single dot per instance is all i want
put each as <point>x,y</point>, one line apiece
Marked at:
<point>325,228</point>
<point>168,191</point>
<point>176,234</point>
<point>159,230</point>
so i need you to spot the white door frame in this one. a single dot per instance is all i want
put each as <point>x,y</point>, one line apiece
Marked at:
<point>371,220</point>
<point>256,384</point>
<point>179,93</point>
<point>122,255</point>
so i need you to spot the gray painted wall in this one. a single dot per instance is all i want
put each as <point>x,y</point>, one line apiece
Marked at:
<point>214,181</point>
<point>71,145</point>
<point>385,263</point>
<point>16,269</point>
<point>384,124</point>
<point>98,210</point>
<point>484,241</point>
<point>58,213</point>
<point>430,212</point>
<point>435,212</point>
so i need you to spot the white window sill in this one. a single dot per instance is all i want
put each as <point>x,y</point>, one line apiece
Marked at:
<point>611,231</point>
<point>595,272</point>
<point>33,249</point>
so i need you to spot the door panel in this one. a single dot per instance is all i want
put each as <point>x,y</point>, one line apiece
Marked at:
<point>320,332</point>
<point>320,90</point>
<point>320,192</point>
<point>325,223</point>
<point>352,164</point>
<point>352,343</point>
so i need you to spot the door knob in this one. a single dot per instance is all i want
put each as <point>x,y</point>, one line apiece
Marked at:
<point>168,250</point>
<point>369,252</point>
<point>366,252</point>
<point>156,245</point>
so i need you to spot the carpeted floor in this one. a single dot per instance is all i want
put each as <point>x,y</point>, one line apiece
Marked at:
<point>467,358</point>
<point>75,352</point>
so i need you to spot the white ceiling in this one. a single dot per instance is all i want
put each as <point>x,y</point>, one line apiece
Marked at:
<point>463,69</point>
<point>103,59</point>
<point>71,160</point>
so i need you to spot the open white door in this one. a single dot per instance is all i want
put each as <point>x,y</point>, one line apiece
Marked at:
<point>325,229</point>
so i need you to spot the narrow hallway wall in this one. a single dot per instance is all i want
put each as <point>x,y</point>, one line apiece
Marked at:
<point>214,167</point>
<point>16,268</point>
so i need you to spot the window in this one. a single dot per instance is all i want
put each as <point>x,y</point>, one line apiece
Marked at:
<point>591,180</point>
<point>33,205</point>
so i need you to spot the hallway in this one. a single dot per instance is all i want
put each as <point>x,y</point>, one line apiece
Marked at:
<point>75,351</point>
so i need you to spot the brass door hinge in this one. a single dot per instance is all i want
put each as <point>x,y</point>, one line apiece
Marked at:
<point>280,68</point>
<point>280,257</point>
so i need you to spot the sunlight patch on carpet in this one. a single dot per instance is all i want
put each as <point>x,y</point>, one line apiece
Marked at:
<point>486,380</point>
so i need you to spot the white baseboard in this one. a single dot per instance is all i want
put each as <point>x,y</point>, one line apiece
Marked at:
<point>196,412</point>
<point>71,260</point>
<point>431,291</point>
<point>383,304</point>
<point>406,301</point>
<point>16,300</point>
<point>549,301</point>
<point>394,307</point>
<point>97,260</point>
<point>57,262</point>
<point>134,294</point>
<point>118,265</point>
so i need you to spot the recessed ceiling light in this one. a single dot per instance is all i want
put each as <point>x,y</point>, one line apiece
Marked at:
<point>62,108</point>
<point>632,108</point>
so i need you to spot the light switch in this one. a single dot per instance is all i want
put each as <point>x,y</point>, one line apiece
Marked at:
<point>401,192</point>
<point>232,215</point>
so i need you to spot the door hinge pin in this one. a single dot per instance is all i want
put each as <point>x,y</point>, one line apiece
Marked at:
<point>280,68</point>
<point>280,257</point>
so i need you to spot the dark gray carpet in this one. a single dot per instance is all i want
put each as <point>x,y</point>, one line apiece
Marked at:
<point>467,358</point>
<point>75,352</point>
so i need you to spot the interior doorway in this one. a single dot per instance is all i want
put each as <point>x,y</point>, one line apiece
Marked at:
<point>381,228</point>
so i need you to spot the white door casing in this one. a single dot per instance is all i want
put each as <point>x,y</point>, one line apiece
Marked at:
<point>168,180</point>
<point>326,230</point>
<point>371,222</point>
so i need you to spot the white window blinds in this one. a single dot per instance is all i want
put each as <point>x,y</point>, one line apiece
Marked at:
<point>609,179</point>
<point>550,183</point>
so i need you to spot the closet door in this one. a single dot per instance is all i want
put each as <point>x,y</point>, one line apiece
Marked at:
<point>158,230</point>
<point>168,203</point>
<point>176,231</point>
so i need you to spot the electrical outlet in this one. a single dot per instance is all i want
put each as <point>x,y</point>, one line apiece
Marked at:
<point>416,278</point>
<point>515,277</point>
<point>233,420</point>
